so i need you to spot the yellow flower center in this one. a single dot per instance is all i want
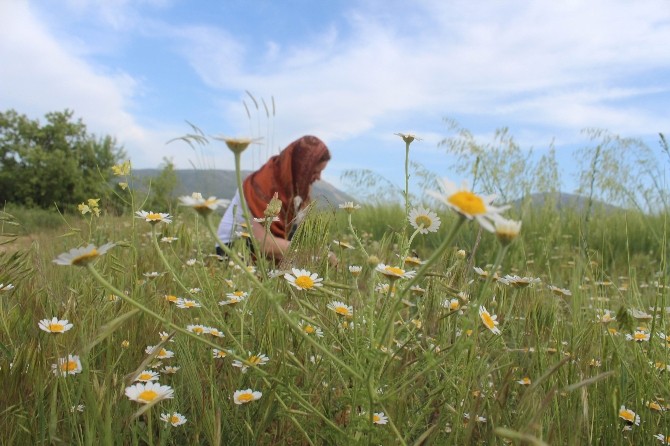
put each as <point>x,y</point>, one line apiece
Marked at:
<point>154,217</point>
<point>189,304</point>
<point>309,329</point>
<point>488,320</point>
<point>468,203</point>
<point>454,305</point>
<point>163,352</point>
<point>174,419</point>
<point>221,354</point>
<point>627,415</point>
<point>171,298</point>
<point>344,311</point>
<point>254,360</point>
<point>394,270</point>
<point>640,336</point>
<point>147,395</point>
<point>654,405</point>
<point>239,293</point>
<point>68,366</point>
<point>245,397</point>
<point>304,282</point>
<point>85,258</point>
<point>56,328</point>
<point>198,330</point>
<point>144,376</point>
<point>423,220</point>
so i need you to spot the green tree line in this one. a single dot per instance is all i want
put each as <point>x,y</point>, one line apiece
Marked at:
<point>57,161</point>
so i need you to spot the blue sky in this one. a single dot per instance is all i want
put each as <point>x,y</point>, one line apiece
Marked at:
<point>351,72</point>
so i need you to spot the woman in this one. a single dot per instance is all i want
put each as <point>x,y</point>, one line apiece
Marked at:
<point>289,175</point>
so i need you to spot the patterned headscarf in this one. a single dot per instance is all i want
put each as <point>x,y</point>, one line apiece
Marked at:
<point>288,174</point>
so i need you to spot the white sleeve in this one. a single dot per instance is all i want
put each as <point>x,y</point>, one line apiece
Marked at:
<point>232,218</point>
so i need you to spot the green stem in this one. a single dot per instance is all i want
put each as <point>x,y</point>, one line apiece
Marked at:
<point>358,241</point>
<point>167,265</point>
<point>499,258</point>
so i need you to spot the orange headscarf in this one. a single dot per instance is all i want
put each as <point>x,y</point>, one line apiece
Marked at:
<point>288,174</point>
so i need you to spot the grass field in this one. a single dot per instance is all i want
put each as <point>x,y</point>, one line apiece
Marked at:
<point>558,337</point>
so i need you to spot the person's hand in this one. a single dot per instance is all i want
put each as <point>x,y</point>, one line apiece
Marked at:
<point>332,259</point>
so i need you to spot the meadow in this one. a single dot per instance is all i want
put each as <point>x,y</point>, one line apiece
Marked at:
<point>429,329</point>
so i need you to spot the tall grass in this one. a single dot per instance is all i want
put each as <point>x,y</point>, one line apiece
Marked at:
<point>557,374</point>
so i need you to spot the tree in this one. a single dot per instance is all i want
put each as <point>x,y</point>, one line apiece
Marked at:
<point>58,162</point>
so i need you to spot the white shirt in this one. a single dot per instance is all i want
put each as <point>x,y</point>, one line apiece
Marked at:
<point>231,221</point>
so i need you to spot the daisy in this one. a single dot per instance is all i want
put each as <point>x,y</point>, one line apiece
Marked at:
<point>165,336</point>
<point>268,219</point>
<point>414,261</point>
<point>219,354</point>
<point>191,262</point>
<point>662,438</point>
<point>638,336</point>
<point>174,418</point>
<point>489,320</point>
<point>187,303</point>
<point>125,343</point>
<point>629,416</point>
<point>408,137</point>
<point>311,329</point>
<point>468,204</point>
<point>237,295</point>
<point>77,408</point>
<point>379,418</point>
<point>424,220</point>
<point>355,270</point>
<point>343,245</point>
<point>606,317</point>
<point>82,256</point>
<point>162,353</point>
<point>67,366</point>
<point>653,405</point>
<point>149,392</point>
<point>520,282</point>
<point>169,370</point>
<point>197,329</point>
<point>393,272</point>
<point>303,279</point>
<point>341,308</point>
<point>252,361</point>
<point>169,239</point>
<point>349,206</point>
<point>246,396</point>
<point>383,288</point>
<point>154,217</point>
<point>152,274</point>
<point>452,304</point>
<point>559,291</point>
<point>7,287</point>
<point>237,145</point>
<point>171,298</point>
<point>215,332</point>
<point>201,205</point>
<point>55,325</point>
<point>506,230</point>
<point>525,381</point>
<point>146,376</point>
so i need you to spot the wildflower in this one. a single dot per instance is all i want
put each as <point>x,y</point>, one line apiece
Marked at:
<point>452,304</point>
<point>662,438</point>
<point>171,298</point>
<point>355,270</point>
<point>169,239</point>
<point>169,370</point>
<point>125,343</point>
<point>349,206</point>
<point>197,329</point>
<point>219,354</point>
<point>174,418</point>
<point>67,366</point>
<point>416,289</point>
<point>252,361</point>
<point>146,376</point>
<point>525,381</point>
<point>149,392</point>
<point>506,230</point>
<point>55,325</point>
<point>653,405</point>
<point>311,329</point>
<point>489,320</point>
<point>187,303</point>
<point>520,282</point>
<point>639,314</point>
<point>162,353</point>
<point>660,366</point>
<point>7,287</point>
<point>595,362</point>
<point>424,220</point>
<point>236,145</point>
<point>393,272</point>
<point>121,170</point>
<point>154,217</point>
<point>461,253</point>
<point>468,204</point>
<point>303,279</point>
<point>408,137</point>
<point>91,206</point>
<point>383,288</point>
<point>559,291</point>
<point>203,206</point>
<point>215,332</point>
<point>264,220</point>
<point>246,396</point>
<point>77,408</point>
<point>629,416</point>
<point>343,245</point>
<point>341,308</point>
<point>605,318</point>
<point>191,262</point>
<point>638,336</point>
<point>414,261</point>
<point>82,256</point>
<point>379,418</point>
<point>152,274</point>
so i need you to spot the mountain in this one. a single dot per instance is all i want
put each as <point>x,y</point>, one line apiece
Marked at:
<point>223,184</point>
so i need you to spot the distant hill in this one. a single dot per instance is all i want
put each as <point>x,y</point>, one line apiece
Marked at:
<point>223,184</point>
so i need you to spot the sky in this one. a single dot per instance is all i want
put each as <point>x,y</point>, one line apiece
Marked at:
<point>353,73</point>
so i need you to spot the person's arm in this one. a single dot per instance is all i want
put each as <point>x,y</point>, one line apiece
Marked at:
<point>270,245</point>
